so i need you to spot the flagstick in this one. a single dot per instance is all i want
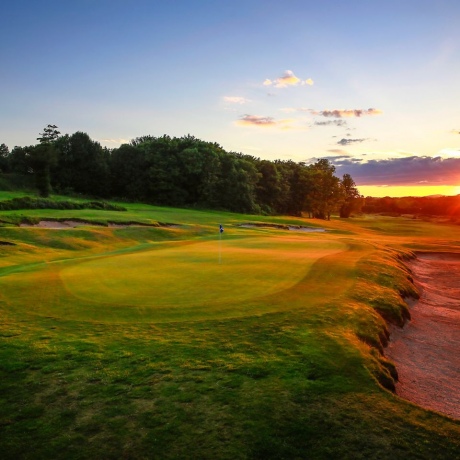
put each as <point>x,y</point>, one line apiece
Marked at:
<point>220,248</point>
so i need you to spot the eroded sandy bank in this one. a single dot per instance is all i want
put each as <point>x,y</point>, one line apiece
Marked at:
<point>427,350</point>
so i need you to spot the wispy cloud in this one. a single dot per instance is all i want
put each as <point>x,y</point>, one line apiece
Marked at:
<point>269,122</point>
<point>236,99</point>
<point>414,170</point>
<point>340,113</point>
<point>350,141</point>
<point>256,120</point>
<point>296,109</point>
<point>288,79</point>
<point>341,157</point>
<point>455,131</point>
<point>331,122</point>
<point>336,113</point>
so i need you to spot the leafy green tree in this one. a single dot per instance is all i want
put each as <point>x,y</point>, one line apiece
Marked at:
<point>325,195</point>
<point>352,199</point>
<point>4,158</point>
<point>43,157</point>
<point>129,173</point>
<point>82,166</point>
<point>164,171</point>
<point>19,160</point>
<point>295,186</point>
<point>268,189</point>
<point>49,135</point>
<point>211,155</point>
<point>237,183</point>
<point>182,171</point>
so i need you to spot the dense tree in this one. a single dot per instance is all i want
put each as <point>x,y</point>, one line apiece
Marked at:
<point>268,188</point>
<point>4,158</point>
<point>352,200</point>
<point>299,177</point>
<point>326,194</point>
<point>182,171</point>
<point>211,155</point>
<point>428,205</point>
<point>129,173</point>
<point>237,184</point>
<point>82,166</point>
<point>42,157</point>
<point>19,160</point>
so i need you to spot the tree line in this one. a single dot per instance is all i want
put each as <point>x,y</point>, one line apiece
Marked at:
<point>426,206</point>
<point>182,172</point>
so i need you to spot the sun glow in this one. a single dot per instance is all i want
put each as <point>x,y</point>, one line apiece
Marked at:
<point>408,190</point>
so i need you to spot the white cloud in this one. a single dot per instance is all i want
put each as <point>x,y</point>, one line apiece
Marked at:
<point>287,79</point>
<point>450,152</point>
<point>295,109</point>
<point>236,99</point>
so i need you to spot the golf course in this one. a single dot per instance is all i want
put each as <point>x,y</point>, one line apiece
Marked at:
<point>148,334</point>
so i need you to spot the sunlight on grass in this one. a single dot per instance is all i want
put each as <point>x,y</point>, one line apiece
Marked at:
<point>192,274</point>
<point>173,282</point>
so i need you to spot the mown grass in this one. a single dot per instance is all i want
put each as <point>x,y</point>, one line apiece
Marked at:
<point>136,343</point>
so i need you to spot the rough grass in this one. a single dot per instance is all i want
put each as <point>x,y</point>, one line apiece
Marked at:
<point>287,364</point>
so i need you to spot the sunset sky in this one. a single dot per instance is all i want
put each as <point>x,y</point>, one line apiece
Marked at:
<point>373,86</point>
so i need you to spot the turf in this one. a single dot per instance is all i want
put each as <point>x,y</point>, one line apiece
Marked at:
<point>137,343</point>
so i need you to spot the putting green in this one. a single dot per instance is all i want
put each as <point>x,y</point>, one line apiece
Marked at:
<point>204,279</point>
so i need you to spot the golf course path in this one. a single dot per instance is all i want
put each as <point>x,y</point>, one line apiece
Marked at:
<point>427,350</point>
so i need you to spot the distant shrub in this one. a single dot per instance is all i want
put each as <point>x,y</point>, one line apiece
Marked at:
<point>46,203</point>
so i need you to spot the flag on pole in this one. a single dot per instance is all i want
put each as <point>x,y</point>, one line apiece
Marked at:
<point>221,230</point>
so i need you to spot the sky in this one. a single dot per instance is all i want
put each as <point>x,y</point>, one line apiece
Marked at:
<point>373,86</point>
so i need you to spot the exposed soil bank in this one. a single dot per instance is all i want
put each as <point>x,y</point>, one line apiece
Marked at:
<point>427,350</point>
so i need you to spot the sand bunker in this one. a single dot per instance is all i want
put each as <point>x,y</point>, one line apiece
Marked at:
<point>55,224</point>
<point>427,350</point>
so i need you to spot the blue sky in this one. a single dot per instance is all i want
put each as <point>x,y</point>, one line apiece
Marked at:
<point>374,86</point>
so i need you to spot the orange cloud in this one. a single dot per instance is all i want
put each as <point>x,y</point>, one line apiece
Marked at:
<point>269,122</point>
<point>287,79</point>
<point>255,120</point>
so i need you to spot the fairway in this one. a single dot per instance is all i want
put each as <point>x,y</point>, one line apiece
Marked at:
<point>182,281</point>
